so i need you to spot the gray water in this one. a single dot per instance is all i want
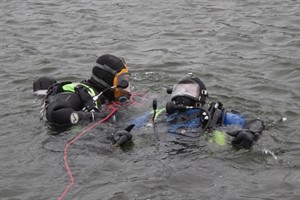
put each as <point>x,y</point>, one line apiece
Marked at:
<point>246,52</point>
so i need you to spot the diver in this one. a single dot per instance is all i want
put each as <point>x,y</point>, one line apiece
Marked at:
<point>68,103</point>
<point>188,114</point>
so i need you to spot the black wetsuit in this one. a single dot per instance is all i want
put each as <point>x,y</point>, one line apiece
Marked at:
<point>65,98</point>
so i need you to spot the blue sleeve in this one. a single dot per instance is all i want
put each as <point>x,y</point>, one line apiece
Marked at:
<point>234,119</point>
<point>141,120</point>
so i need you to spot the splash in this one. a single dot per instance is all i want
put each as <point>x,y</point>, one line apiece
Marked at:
<point>267,151</point>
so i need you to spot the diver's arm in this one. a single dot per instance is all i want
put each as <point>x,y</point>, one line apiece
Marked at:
<point>77,117</point>
<point>248,130</point>
<point>244,138</point>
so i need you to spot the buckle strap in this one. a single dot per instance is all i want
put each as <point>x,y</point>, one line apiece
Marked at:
<point>106,68</point>
<point>204,92</point>
<point>106,85</point>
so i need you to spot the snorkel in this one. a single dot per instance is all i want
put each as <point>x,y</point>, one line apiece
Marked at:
<point>154,106</point>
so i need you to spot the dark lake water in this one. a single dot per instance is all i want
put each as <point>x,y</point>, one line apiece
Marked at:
<point>246,52</point>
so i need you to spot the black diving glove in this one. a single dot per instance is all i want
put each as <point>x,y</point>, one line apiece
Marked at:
<point>122,136</point>
<point>243,139</point>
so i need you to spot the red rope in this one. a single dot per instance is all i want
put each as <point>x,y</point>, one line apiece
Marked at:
<point>114,110</point>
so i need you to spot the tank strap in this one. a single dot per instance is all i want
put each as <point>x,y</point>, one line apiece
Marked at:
<point>203,92</point>
<point>106,68</point>
<point>85,92</point>
<point>103,83</point>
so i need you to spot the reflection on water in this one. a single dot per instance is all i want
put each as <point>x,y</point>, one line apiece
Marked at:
<point>266,151</point>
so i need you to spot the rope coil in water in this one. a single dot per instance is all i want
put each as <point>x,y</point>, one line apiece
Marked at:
<point>66,150</point>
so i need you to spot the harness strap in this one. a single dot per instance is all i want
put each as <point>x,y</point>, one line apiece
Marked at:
<point>217,113</point>
<point>86,97</point>
<point>83,93</point>
<point>215,118</point>
<point>106,85</point>
<point>203,91</point>
<point>106,68</point>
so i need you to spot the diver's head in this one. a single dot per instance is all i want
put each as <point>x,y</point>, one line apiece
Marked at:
<point>190,91</point>
<point>108,71</point>
<point>43,83</point>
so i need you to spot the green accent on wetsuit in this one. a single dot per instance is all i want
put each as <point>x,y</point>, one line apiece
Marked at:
<point>158,112</point>
<point>71,88</point>
<point>219,137</point>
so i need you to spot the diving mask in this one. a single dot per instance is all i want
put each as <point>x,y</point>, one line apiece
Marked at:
<point>189,89</point>
<point>122,94</point>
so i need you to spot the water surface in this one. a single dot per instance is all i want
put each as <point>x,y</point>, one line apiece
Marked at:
<point>246,52</point>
